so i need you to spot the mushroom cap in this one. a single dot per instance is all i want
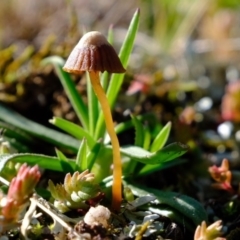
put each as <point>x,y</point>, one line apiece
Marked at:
<point>93,53</point>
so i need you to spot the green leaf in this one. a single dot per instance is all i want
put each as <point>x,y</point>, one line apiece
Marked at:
<point>92,106</point>
<point>105,75</point>
<point>139,141</point>
<point>93,154</point>
<point>104,81</point>
<point>167,153</point>
<point>121,127</point>
<point>161,138</point>
<point>60,155</point>
<point>124,126</point>
<point>43,161</point>
<point>81,160</point>
<point>73,129</point>
<point>139,132</point>
<point>124,55</point>
<point>146,138</point>
<point>148,169</point>
<point>69,86</point>
<point>187,206</point>
<point>173,214</point>
<point>37,130</point>
<point>15,133</point>
<point>117,79</point>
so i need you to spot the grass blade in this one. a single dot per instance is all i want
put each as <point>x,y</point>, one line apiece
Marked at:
<point>68,85</point>
<point>60,155</point>
<point>92,106</point>
<point>148,169</point>
<point>139,131</point>
<point>92,155</point>
<point>146,138</point>
<point>105,75</point>
<point>161,138</point>
<point>37,130</point>
<point>16,133</point>
<point>81,160</point>
<point>165,154</point>
<point>46,162</point>
<point>125,52</point>
<point>73,129</point>
<point>117,79</point>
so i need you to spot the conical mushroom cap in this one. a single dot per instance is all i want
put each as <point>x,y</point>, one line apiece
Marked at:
<point>93,53</point>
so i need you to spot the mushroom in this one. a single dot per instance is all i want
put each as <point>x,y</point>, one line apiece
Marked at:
<point>94,54</point>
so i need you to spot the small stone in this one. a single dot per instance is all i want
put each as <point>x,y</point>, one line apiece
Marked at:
<point>97,215</point>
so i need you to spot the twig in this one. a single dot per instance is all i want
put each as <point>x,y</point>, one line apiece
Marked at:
<point>54,216</point>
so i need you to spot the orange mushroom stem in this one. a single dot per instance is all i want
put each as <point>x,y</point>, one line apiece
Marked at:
<point>94,54</point>
<point>117,171</point>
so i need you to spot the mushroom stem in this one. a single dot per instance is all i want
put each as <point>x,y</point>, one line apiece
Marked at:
<point>117,166</point>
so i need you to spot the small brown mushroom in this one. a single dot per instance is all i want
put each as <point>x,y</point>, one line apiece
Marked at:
<point>94,54</point>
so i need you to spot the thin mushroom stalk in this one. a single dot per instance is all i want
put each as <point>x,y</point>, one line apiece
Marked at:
<point>117,171</point>
<point>94,54</point>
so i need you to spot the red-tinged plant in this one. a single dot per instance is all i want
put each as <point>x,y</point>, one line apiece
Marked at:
<point>141,83</point>
<point>222,175</point>
<point>231,102</point>
<point>20,190</point>
<point>187,116</point>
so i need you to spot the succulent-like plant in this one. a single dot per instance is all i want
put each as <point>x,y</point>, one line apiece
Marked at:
<point>212,232</point>
<point>75,192</point>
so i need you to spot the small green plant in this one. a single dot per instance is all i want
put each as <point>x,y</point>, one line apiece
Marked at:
<point>75,192</point>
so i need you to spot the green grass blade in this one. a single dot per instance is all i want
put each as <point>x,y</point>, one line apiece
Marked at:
<point>124,54</point>
<point>147,138</point>
<point>69,86</point>
<point>124,126</point>
<point>161,138</point>
<point>105,80</point>
<point>73,129</point>
<point>92,106</point>
<point>117,79</point>
<point>165,154</point>
<point>37,130</point>
<point>105,75</point>
<point>121,127</point>
<point>139,132</point>
<point>16,133</point>
<point>46,162</point>
<point>93,154</point>
<point>148,169</point>
<point>60,155</point>
<point>18,139</point>
<point>81,160</point>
